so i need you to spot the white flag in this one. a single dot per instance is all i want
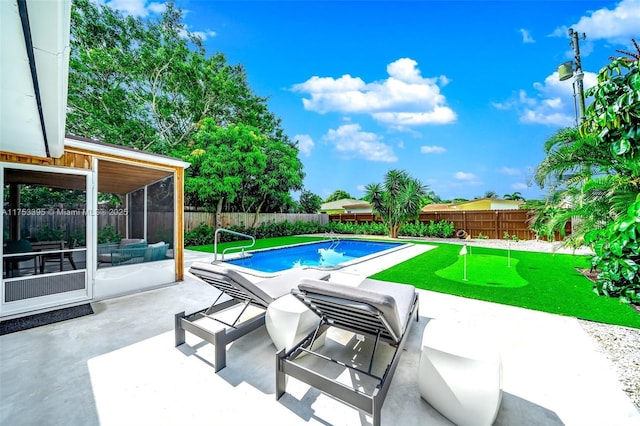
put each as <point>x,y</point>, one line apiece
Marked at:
<point>464,250</point>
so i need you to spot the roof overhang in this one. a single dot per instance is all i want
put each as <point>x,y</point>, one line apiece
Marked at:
<point>122,170</point>
<point>34,76</point>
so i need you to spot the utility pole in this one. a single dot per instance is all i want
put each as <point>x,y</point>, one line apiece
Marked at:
<point>579,74</point>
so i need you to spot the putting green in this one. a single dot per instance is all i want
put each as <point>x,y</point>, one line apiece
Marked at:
<point>485,270</point>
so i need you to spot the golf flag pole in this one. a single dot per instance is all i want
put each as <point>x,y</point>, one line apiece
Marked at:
<point>463,252</point>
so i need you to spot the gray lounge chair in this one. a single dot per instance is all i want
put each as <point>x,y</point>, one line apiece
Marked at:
<point>236,290</point>
<point>379,309</point>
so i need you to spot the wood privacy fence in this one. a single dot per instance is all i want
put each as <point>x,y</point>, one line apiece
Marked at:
<point>75,220</point>
<point>489,223</point>
<point>193,219</point>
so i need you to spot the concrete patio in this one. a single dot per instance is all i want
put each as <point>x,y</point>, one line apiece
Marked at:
<point>119,366</point>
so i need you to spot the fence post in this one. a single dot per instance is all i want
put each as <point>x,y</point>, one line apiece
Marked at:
<point>464,221</point>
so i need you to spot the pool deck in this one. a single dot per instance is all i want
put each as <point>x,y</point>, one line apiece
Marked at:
<point>119,366</point>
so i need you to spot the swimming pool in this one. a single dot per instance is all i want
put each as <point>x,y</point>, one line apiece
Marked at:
<point>322,254</point>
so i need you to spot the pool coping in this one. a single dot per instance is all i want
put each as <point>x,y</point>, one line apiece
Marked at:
<point>261,274</point>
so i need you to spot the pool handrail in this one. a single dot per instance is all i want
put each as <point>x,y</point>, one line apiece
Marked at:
<point>215,242</point>
<point>333,238</point>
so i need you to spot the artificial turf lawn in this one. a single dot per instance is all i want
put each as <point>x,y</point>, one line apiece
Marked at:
<point>552,283</point>
<point>541,281</point>
<point>485,270</point>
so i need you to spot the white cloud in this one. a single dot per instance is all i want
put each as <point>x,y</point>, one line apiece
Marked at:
<point>616,25</point>
<point>305,144</point>
<point>137,8</point>
<point>204,34</point>
<point>520,185</point>
<point>351,141</point>
<point>509,171</point>
<point>157,7</point>
<point>405,98</point>
<point>526,36</point>
<point>362,188</point>
<point>465,176</point>
<point>433,149</point>
<point>552,105</point>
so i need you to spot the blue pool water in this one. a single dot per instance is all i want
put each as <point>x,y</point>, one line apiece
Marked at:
<point>325,253</point>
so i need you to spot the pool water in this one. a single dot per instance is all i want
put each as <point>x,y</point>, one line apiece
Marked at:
<point>322,254</point>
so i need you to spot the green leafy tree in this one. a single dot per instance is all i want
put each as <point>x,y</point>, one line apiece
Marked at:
<point>397,200</point>
<point>431,198</point>
<point>594,175</point>
<point>146,84</point>
<point>282,174</point>
<point>221,158</point>
<point>310,202</point>
<point>338,195</point>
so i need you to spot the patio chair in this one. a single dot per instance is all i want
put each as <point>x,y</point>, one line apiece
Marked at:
<point>236,291</point>
<point>12,264</point>
<point>59,258</point>
<point>378,309</point>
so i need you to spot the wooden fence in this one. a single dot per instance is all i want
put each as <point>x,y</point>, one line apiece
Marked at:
<point>489,223</point>
<point>75,220</point>
<point>194,218</point>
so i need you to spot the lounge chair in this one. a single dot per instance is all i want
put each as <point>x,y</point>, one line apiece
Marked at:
<point>378,309</point>
<point>236,290</point>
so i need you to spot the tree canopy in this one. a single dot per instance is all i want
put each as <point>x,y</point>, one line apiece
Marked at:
<point>339,194</point>
<point>310,202</point>
<point>150,85</point>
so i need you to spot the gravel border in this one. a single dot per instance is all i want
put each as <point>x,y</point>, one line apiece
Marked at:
<point>621,346</point>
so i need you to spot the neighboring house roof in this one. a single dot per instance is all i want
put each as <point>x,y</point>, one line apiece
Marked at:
<point>339,204</point>
<point>361,205</point>
<point>478,204</point>
<point>434,207</point>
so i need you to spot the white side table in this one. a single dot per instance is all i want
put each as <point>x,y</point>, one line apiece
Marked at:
<point>460,374</point>
<point>288,321</point>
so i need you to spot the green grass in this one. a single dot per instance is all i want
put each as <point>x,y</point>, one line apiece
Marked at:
<point>541,281</point>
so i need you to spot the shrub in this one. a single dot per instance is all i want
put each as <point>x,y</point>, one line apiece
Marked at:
<point>199,236</point>
<point>442,229</point>
<point>617,259</point>
<point>108,234</point>
<point>203,233</point>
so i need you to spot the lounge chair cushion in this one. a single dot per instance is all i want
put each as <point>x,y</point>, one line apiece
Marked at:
<point>267,290</point>
<point>126,242</point>
<point>404,295</point>
<point>393,300</point>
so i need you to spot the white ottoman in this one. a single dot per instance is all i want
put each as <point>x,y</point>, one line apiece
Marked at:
<point>288,321</point>
<point>460,374</point>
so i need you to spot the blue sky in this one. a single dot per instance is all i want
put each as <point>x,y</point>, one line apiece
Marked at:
<point>461,94</point>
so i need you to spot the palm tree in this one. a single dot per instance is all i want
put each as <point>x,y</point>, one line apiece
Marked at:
<point>516,196</point>
<point>396,200</point>
<point>590,187</point>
